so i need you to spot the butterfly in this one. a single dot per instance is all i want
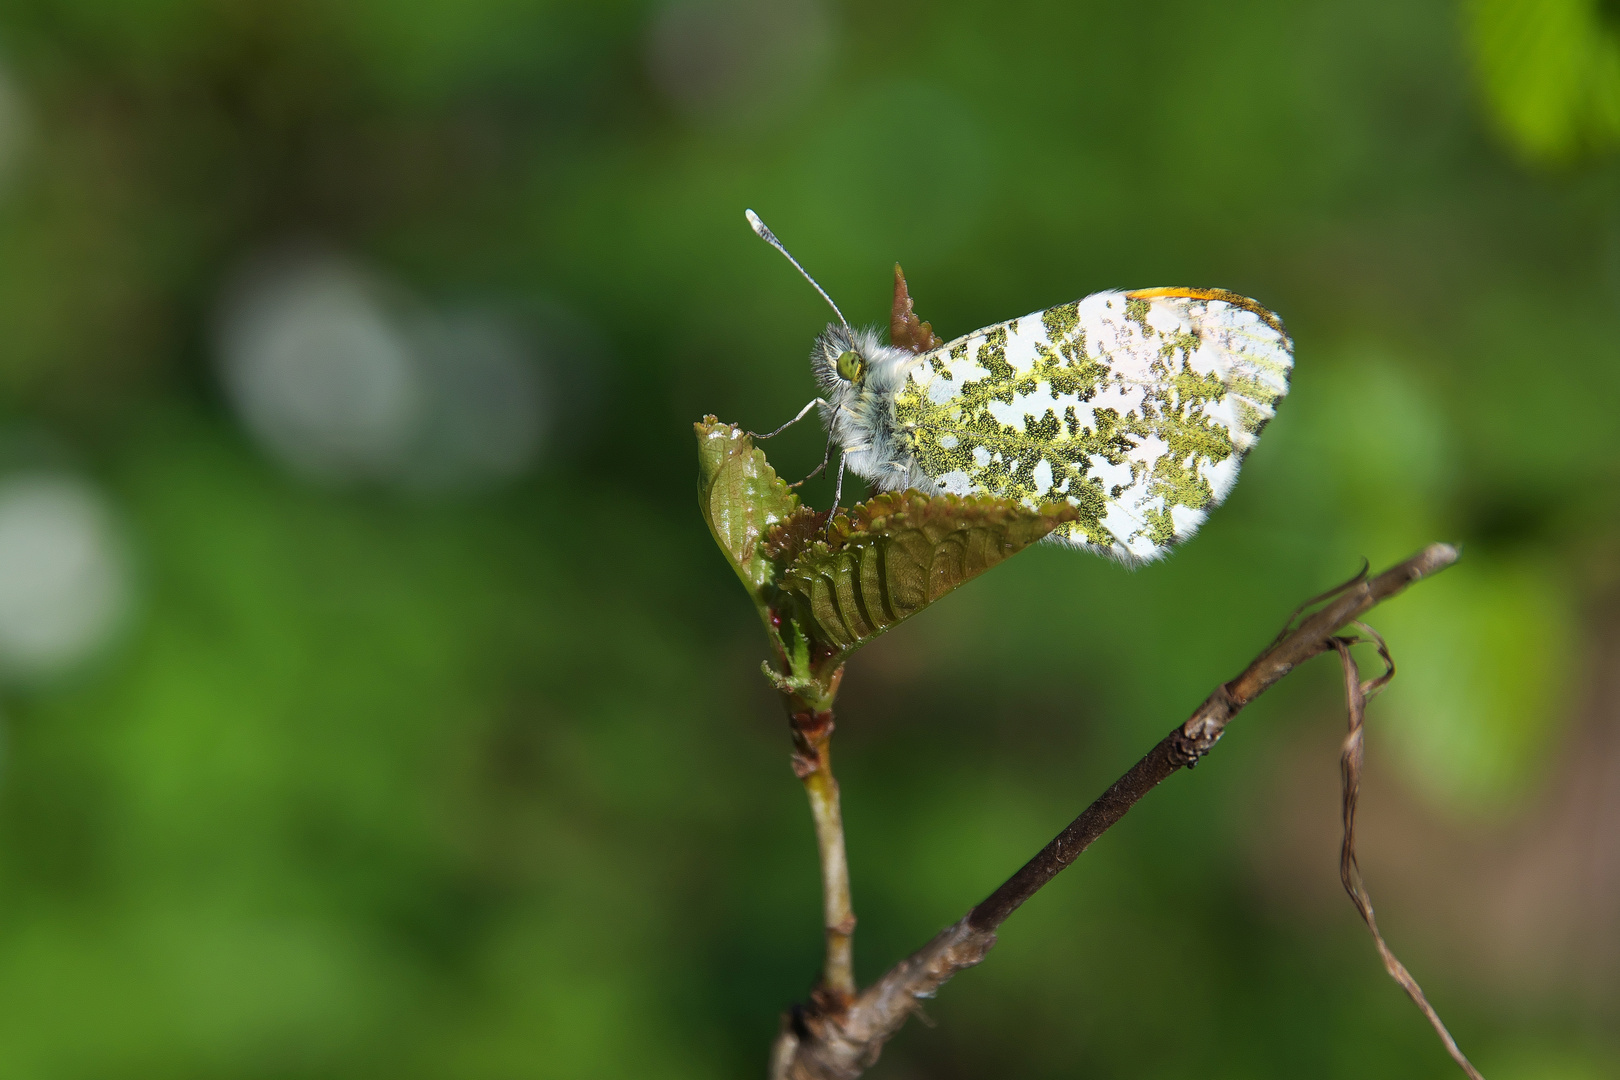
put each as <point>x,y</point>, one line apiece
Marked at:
<point>1134,407</point>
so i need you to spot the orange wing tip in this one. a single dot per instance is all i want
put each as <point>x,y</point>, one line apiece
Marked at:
<point>1267,316</point>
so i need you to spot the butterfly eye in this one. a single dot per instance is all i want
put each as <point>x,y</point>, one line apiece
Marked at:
<point>849,365</point>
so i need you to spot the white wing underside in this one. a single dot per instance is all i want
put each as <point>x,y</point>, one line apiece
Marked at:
<point>1155,396</point>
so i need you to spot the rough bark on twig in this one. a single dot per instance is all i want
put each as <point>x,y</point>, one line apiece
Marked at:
<point>817,1043</point>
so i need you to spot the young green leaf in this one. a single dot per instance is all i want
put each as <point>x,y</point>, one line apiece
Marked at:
<point>896,554</point>
<point>825,592</point>
<point>741,498</point>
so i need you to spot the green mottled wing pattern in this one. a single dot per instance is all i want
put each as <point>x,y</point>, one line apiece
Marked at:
<point>1135,408</point>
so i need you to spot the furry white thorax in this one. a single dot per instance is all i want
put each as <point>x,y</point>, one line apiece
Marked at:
<point>860,416</point>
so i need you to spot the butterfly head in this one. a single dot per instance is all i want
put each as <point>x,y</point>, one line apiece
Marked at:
<point>843,359</point>
<point>839,358</point>
<point>849,366</point>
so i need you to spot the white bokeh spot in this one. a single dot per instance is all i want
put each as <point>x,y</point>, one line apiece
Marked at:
<point>64,574</point>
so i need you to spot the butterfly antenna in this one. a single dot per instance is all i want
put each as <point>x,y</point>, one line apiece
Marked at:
<point>769,237</point>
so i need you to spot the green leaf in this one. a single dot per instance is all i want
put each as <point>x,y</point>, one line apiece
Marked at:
<point>742,498</point>
<point>896,554</point>
<point>825,592</point>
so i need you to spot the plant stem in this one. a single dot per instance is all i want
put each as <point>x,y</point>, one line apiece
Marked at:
<point>840,1039</point>
<point>812,761</point>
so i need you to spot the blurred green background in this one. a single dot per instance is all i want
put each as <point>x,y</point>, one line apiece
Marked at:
<point>375,703</point>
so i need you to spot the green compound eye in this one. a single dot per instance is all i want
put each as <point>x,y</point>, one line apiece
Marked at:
<point>849,366</point>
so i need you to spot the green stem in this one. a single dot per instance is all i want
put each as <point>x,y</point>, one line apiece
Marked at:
<point>838,914</point>
<point>812,727</point>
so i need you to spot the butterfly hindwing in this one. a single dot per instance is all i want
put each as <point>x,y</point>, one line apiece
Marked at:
<point>1136,408</point>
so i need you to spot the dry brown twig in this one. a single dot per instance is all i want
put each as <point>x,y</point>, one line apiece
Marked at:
<point>840,1032</point>
<point>1357,692</point>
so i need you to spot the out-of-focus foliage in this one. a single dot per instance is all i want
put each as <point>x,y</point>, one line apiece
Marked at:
<point>1550,70</point>
<point>393,778</point>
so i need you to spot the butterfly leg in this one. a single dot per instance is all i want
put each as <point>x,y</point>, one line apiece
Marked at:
<point>838,488</point>
<point>826,456</point>
<point>813,403</point>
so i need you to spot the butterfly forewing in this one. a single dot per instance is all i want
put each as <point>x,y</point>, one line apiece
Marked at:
<point>1136,408</point>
